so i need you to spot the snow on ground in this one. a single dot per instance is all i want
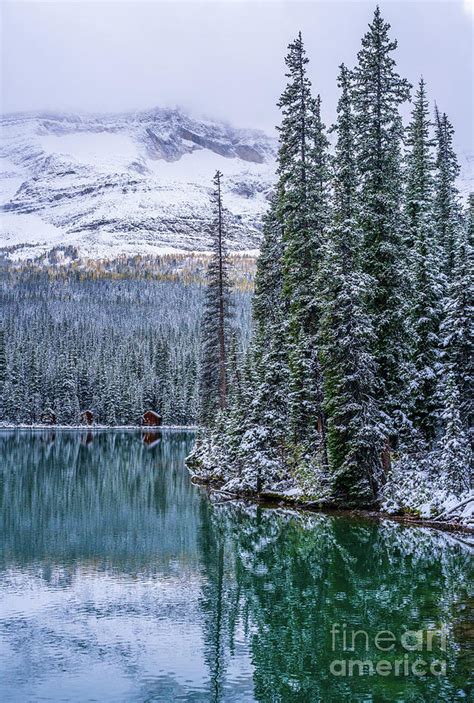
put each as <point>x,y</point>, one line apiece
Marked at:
<point>416,489</point>
<point>201,165</point>
<point>103,151</point>
<point>444,503</point>
<point>11,178</point>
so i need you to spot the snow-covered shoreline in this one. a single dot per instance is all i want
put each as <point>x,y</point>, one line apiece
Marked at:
<point>295,499</point>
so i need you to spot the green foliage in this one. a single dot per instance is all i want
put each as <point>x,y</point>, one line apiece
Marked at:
<point>354,335</point>
<point>447,205</point>
<point>378,93</point>
<point>426,275</point>
<point>354,428</point>
<point>216,318</point>
<point>303,212</point>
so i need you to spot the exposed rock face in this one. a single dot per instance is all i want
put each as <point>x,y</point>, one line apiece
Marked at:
<point>128,183</point>
<point>248,153</point>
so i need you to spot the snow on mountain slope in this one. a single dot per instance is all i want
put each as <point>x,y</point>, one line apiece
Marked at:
<point>133,183</point>
<point>127,184</point>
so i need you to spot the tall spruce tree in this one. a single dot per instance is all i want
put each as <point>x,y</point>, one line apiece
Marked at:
<point>470,220</point>
<point>457,327</point>
<point>378,93</point>
<point>302,211</point>
<point>268,307</point>
<point>354,436</point>
<point>447,205</point>
<point>257,421</point>
<point>3,374</point>
<point>270,347</point>
<point>3,359</point>
<point>456,455</point>
<point>426,283</point>
<point>216,320</point>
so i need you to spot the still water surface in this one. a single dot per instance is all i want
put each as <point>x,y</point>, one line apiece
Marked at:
<point>121,581</point>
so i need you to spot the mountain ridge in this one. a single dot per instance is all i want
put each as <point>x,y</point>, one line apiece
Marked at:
<point>128,183</point>
<point>132,183</point>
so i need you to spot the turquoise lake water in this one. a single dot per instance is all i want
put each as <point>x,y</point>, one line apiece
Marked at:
<point>122,581</point>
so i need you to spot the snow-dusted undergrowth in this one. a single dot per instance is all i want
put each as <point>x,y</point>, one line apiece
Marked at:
<point>416,486</point>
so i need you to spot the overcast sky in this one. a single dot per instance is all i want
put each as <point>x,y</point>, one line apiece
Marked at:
<point>220,59</point>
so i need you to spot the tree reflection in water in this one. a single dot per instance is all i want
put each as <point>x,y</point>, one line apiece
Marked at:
<point>180,597</point>
<point>288,578</point>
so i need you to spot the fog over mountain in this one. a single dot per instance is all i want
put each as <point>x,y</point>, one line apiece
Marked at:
<point>90,165</point>
<point>132,183</point>
<point>222,59</point>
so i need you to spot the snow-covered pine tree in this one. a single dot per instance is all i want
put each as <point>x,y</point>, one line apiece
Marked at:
<point>268,304</point>
<point>263,447</point>
<point>270,346</point>
<point>216,319</point>
<point>378,93</point>
<point>447,205</point>
<point>354,437</point>
<point>256,423</point>
<point>3,369</point>
<point>470,220</point>
<point>302,211</point>
<point>34,386</point>
<point>67,402</point>
<point>457,327</point>
<point>426,274</point>
<point>456,454</point>
<point>236,370</point>
<point>15,395</point>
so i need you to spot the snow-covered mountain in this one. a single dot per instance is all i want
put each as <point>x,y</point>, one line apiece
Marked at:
<point>136,183</point>
<point>133,183</point>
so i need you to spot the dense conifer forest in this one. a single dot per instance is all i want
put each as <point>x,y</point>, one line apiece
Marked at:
<point>116,340</point>
<point>359,376</point>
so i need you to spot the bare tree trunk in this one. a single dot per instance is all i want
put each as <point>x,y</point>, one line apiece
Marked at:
<point>386,460</point>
